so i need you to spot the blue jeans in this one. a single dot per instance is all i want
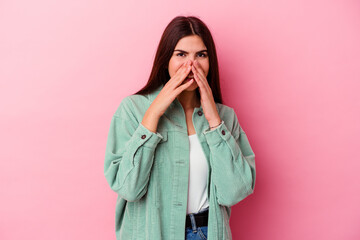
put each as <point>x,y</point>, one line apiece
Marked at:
<point>194,232</point>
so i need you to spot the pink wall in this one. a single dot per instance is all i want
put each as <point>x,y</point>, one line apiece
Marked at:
<point>289,68</point>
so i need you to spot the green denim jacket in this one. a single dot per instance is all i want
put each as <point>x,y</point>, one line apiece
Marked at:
<point>150,171</point>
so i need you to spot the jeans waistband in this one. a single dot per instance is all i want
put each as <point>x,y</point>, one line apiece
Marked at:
<point>198,219</point>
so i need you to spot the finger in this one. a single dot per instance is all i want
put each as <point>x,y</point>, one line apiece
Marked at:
<point>184,86</point>
<point>199,82</point>
<point>204,88</point>
<point>200,78</point>
<point>185,71</point>
<point>199,70</point>
<point>182,69</point>
<point>179,74</point>
<point>182,75</point>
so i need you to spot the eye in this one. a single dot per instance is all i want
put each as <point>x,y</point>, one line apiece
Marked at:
<point>203,55</point>
<point>179,53</point>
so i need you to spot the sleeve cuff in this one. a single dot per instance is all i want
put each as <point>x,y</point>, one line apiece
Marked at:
<point>208,130</point>
<point>147,137</point>
<point>217,134</point>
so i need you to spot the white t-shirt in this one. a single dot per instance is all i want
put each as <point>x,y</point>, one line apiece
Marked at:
<point>198,175</point>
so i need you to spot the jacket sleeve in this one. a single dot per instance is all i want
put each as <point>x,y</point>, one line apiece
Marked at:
<point>232,162</point>
<point>129,153</point>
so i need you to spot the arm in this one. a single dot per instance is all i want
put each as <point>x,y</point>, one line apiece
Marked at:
<point>232,162</point>
<point>129,154</point>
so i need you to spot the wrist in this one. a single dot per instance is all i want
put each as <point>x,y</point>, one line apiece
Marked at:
<point>215,125</point>
<point>152,113</point>
<point>150,121</point>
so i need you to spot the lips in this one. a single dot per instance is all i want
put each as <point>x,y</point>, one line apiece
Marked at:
<point>190,76</point>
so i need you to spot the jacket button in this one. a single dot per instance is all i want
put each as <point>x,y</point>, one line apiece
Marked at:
<point>223,132</point>
<point>143,136</point>
<point>200,113</point>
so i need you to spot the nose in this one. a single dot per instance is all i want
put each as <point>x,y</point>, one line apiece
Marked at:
<point>191,59</point>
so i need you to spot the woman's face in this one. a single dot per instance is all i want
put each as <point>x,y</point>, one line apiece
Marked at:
<point>189,48</point>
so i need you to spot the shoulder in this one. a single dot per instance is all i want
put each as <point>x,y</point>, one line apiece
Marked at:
<point>134,105</point>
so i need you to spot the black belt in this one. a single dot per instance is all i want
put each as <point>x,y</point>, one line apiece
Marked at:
<point>201,219</point>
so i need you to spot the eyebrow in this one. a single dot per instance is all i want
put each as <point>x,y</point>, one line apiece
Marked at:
<point>187,52</point>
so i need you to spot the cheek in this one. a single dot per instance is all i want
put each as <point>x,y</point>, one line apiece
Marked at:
<point>205,67</point>
<point>174,66</point>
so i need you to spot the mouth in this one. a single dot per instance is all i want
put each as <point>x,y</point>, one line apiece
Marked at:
<point>191,75</point>
<point>188,78</point>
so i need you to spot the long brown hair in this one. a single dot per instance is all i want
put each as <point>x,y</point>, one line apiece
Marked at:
<point>178,28</point>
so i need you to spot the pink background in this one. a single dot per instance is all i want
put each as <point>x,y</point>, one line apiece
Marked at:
<point>290,69</point>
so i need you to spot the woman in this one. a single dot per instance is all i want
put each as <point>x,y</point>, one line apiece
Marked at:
<point>177,157</point>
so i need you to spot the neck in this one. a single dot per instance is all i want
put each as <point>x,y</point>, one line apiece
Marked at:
<point>188,99</point>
